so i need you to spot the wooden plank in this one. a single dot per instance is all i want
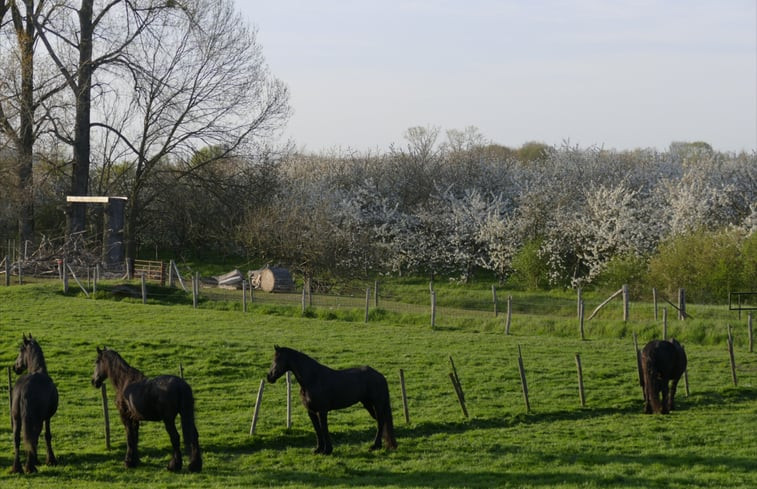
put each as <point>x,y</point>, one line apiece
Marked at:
<point>91,199</point>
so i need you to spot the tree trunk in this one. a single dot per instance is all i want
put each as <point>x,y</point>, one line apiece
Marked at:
<point>81,147</point>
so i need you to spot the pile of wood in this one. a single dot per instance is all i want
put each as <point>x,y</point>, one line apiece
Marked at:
<point>49,256</point>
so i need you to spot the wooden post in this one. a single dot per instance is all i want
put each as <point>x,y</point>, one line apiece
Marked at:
<point>143,280</point>
<point>77,281</point>
<point>578,301</point>
<point>304,292</point>
<point>181,370</point>
<point>494,298</point>
<point>732,358</point>
<point>654,301</point>
<point>104,395</point>
<point>509,314</point>
<point>367,302</point>
<point>581,395</point>
<point>170,273</point>
<point>375,294</point>
<point>523,384</point>
<point>310,293</point>
<point>638,366</point>
<point>95,278</point>
<point>7,271</point>
<point>433,309</point>
<point>454,370</point>
<point>681,303</point>
<point>581,319</point>
<point>244,296</point>
<point>459,392</point>
<point>749,330</point>
<point>664,323</point>
<point>10,396</point>
<point>178,276</point>
<point>65,278</point>
<point>257,407</point>
<point>195,289</point>
<point>686,381</point>
<point>20,273</point>
<point>626,300</point>
<point>404,397</point>
<point>289,399</point>
<point>596,310</point>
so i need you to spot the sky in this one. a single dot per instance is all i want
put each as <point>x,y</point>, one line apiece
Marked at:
<point>618,74</point>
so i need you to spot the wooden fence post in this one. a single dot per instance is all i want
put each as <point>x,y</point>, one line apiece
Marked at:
<point>581,395</point>
<point>7,271</point>
<point>65,278</point>
<point>664,323</point>
<point>578,301</point>
<point>523,384</point>
<point>581,319</point>
<point>106,416</point>
<point>457,386</point>
<point>367,302</point>
<point>433,309</point>
<point>732,358</point>
<point>144,288</point>
<point>244,296</point>
<point>404,397</point>
<point>289,399</point>
<point>654,301</point>
<point>257,407</point>
<point>509,314</point>
<point>681,303</point>
<point>376,294</point>
<point>494,298</point>
<point>626,302</point>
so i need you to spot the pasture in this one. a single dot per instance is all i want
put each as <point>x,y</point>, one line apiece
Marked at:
<point>709,441</point>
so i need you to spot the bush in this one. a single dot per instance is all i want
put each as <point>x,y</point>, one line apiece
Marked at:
<point>708,264</point>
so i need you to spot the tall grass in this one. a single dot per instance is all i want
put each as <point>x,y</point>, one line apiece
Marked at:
<point>225,353</point>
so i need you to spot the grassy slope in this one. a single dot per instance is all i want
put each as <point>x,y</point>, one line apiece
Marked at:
<point>709,442</point>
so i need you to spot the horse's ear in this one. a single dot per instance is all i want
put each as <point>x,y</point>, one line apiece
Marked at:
<point>99,351</point>
<point>26,340</point>
<point>276,347</point>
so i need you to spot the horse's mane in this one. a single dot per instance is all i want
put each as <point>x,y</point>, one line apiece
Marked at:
<point>40,366</point>
<point>121,373</point>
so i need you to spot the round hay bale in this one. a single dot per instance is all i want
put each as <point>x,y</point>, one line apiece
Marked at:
<point>276,280</point>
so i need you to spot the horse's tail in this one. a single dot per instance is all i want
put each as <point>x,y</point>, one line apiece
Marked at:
<point>650,374</point>
<point>189,429</point>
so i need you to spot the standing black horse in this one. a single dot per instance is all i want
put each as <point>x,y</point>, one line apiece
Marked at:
<point>323,389</point>
<point>33,402</point>
<point>662,363</point>
<point>159,399</point>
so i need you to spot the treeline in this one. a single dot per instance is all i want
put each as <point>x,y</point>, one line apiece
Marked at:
<point>459,206</point>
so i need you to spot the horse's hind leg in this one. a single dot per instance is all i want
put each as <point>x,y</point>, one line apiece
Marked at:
<point>175,464</point>
<point>665,396</point>
<point>16,467</point>
<point>32,442</point>
<point>51,460</point>
<point>672,394</point>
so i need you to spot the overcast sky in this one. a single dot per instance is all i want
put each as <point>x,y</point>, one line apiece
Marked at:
<point>621,74</point>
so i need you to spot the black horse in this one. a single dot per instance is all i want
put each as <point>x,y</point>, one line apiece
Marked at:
<point>662,363</point>
<point>158,399</point>
<point>323,389</point>
<point>33,402</point>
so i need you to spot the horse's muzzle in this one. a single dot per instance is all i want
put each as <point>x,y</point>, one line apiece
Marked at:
<point>97,382</point>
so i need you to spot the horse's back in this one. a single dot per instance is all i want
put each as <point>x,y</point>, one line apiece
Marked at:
<point>338,389</point>
<point>35,392</point>
<point>156,398</point>
<point>666,358</point>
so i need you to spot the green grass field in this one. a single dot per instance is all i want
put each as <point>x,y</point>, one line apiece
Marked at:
<point>710,441</point>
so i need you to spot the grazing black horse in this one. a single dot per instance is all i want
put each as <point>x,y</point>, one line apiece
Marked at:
<point>323,389</point>
<point>662,363</point>
<point>158,399</point>
<point>33,402</point>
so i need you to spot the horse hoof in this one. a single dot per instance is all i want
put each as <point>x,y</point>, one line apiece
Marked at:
<point>52,462</point>
<point>195,466</point>
<point>174,465</point>
<point>328,450</point>
<point>16,469</point>
<point>130,464</point>
<point>30,469</point>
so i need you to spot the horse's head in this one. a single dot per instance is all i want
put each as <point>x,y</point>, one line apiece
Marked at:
<point>24,351</point>
<point>279,366</point>
<point>29,357</point>
<point>101,372</point>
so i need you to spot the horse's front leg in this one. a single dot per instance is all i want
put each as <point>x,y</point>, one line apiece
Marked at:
<point>16,467</point>
<point>175,464</point>
<point>51,460</point>
<point>323,416</point>
<point>132,440</point>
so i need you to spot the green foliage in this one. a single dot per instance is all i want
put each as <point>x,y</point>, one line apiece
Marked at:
<point>624,269</point>
<point>707,264</point>
<point>529,268</point>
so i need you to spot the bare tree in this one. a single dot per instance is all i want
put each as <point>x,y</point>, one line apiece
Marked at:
<point>198,80</point>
